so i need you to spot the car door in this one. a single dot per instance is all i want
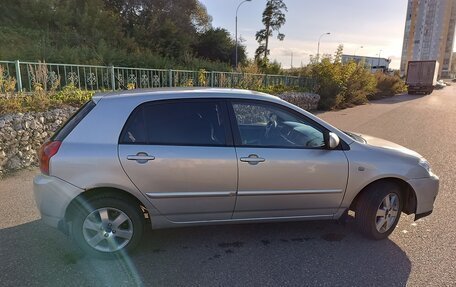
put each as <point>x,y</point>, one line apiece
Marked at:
<point>285,169</point>
<point>180,154</point>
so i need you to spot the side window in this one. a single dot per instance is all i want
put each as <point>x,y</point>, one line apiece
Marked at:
<point>266,125</point>
<point>177,123</point>
<point>134,131</point>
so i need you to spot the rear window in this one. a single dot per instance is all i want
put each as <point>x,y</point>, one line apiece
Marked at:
<point>72,122</point>
<point>177,123</point>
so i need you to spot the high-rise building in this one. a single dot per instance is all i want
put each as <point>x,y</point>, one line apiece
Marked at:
<point>429,33</point>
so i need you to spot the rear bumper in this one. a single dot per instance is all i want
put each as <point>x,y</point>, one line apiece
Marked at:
<point>52,197</point>
<point>426,190</point>
<point>420,88</point>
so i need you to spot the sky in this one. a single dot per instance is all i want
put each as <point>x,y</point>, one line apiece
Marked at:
<point>373,25</point>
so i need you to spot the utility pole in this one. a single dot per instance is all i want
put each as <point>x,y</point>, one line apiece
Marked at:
<point>378,62</point>
<point>235,28</point>
<point>291,64</point>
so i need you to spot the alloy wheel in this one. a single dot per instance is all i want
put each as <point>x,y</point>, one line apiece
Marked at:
<point>387,213</point>
<point>107,229</point>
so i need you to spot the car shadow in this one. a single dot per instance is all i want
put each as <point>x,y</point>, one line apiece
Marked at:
<point>273,254</point>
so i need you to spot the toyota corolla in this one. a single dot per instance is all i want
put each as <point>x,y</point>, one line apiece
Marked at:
<point>132,160</point>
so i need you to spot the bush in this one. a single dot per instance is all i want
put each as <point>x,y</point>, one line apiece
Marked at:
<point>388,86</point>
<point>41,101</point>
<point>358,84</point>
<point>341,85</point>
<point>279,89</point>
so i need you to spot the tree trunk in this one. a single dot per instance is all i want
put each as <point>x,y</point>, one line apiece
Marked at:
<point>266,43</point>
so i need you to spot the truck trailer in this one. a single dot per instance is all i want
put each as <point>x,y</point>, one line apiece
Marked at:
<point>421,76</point>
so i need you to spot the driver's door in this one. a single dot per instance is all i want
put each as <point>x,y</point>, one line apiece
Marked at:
<point>285,169</point>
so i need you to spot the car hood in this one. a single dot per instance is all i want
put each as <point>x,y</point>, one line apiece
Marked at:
<point>381,143</point>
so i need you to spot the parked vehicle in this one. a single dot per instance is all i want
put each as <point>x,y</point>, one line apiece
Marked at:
<point>178,157</point>
<point>422,76</point>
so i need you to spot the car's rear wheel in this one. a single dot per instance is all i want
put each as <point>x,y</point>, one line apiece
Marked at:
<point>378,210</point>
<point>108,226</point>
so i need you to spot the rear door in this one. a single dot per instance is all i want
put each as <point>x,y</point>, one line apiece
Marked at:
<point>285,169</point>
<point>414,73</point>
<point>180,154</point>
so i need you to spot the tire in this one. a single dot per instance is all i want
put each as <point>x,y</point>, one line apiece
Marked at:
<point>108,226</point>
<point>374,218</point>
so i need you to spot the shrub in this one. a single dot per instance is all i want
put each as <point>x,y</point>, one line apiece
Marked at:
<point>41,100</point>
<point>388,86</point>
<point>341,85</point>
<point>72,96</point>
<point>329,83</point>
<point>7,84</point>
<point>279,89</point>
<point>358,85</point>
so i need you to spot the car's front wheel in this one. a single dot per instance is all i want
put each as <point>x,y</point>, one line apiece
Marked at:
<point>106,226</point>
<point>378,210</point>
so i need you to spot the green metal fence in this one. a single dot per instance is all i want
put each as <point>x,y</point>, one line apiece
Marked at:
<point>89,77</point>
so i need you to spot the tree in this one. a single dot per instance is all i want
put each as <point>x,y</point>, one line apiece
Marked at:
<point>144,33</point>
<point>338,54</point>
<point>169,27</point>
<point>217,45</point>
<point>273,19</point>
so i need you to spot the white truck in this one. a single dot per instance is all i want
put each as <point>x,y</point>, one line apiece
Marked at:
<point>421,76</point>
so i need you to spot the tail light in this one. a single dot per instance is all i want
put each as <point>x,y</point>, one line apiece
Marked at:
<point>48,150</point>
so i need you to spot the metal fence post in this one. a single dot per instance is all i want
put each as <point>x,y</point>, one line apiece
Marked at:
<point>18,76</point>
<point>170,78</point>
<point>113,78</point>
<point>212,79</point>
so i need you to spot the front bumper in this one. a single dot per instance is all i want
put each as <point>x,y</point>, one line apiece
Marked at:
<point>52,197</point>
<point>426,190</point>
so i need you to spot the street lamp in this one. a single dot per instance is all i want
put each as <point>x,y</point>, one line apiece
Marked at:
<point>378,61</point>
<point>237,9</point>
<point>318,49</point>
<point>354,55</point>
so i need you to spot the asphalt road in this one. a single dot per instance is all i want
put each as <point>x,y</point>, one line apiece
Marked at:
<point>421,253</point>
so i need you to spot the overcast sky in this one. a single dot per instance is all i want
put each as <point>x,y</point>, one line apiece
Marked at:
<point>375,25</point>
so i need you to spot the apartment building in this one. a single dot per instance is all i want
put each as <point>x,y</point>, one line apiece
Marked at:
<point>429,33</point>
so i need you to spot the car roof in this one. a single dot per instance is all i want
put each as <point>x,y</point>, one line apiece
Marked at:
<point>187,92</point>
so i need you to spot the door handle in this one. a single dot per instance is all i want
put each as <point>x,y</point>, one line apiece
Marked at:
<point>141,157</point>
<point>252,159</point>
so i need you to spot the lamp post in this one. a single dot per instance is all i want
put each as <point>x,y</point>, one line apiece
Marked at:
<point>318,49</point>
<point>378,61</point>
<point>237,9</point>
<point>360,47</point>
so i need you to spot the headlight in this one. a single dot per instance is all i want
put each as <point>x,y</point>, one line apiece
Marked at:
<point>425,164</point>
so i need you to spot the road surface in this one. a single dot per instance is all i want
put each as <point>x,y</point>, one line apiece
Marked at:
<point>421,253</point>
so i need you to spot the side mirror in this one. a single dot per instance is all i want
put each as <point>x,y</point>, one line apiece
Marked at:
<point>333,141</point>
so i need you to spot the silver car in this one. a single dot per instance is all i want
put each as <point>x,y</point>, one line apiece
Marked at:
<point>179,157</point>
